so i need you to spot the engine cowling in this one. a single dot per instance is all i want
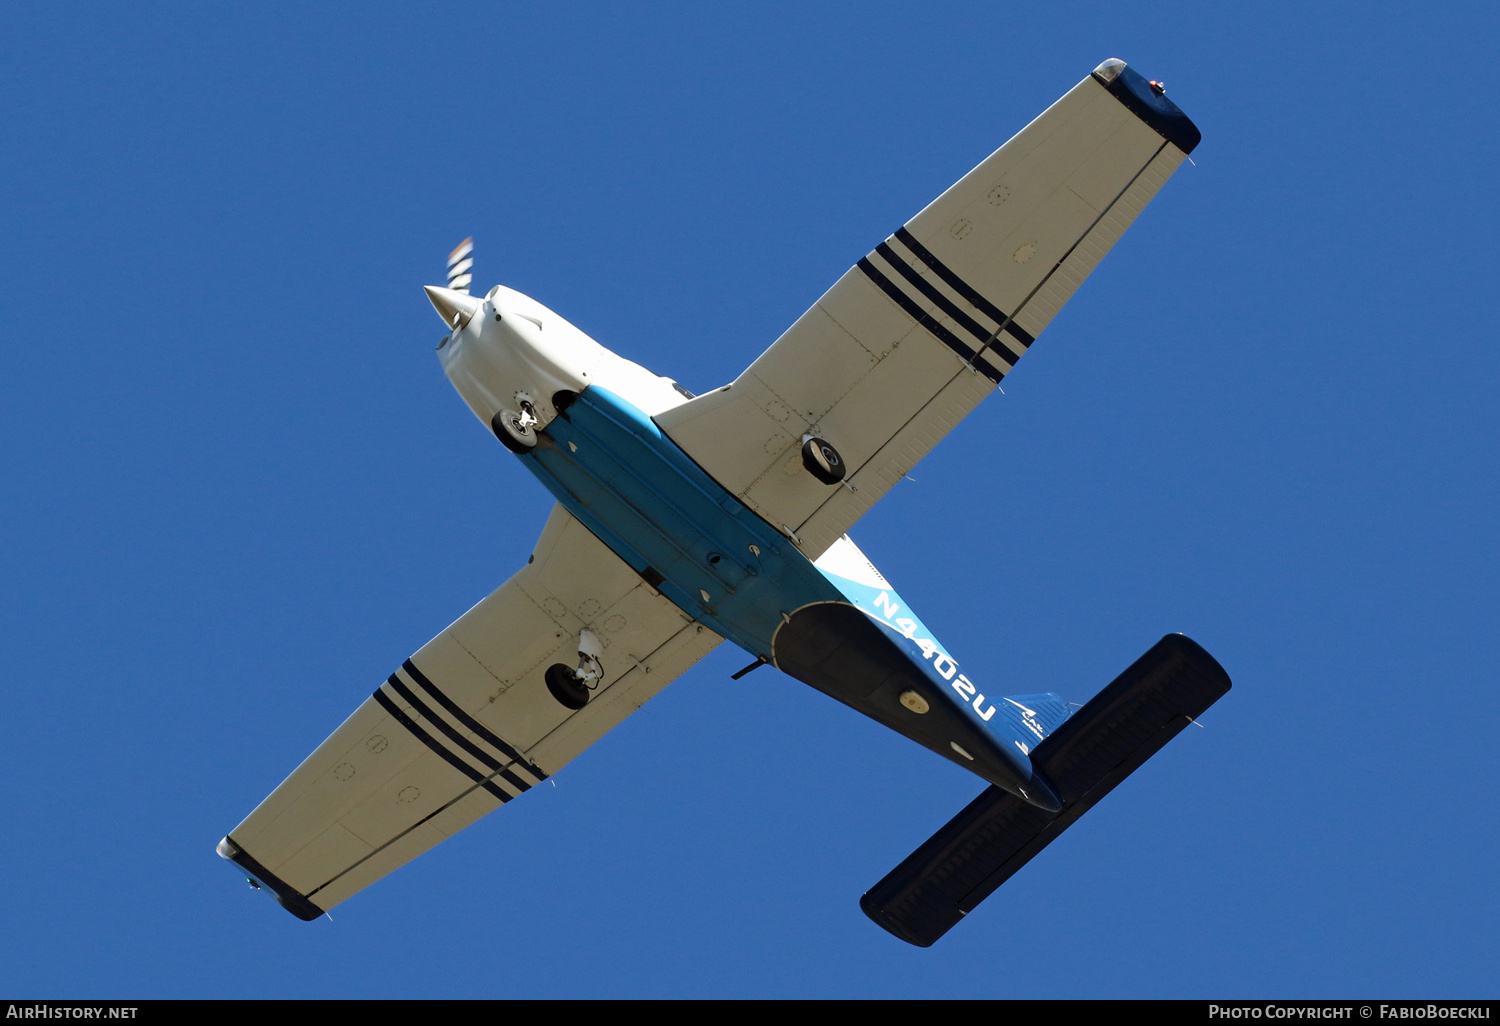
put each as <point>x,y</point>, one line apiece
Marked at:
<point>510,356</point>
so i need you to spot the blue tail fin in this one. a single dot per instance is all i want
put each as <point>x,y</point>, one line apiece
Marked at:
<point>1036,715</point>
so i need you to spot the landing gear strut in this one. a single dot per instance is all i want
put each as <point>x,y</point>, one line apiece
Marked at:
<point>516,429</point>
<point>571,686</point>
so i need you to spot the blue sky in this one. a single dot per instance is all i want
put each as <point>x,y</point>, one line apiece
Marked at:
<point>239,490</point>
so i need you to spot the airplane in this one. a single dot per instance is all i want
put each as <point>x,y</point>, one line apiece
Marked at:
<point>685,520</point>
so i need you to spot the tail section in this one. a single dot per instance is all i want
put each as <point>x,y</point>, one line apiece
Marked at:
<point>1084,758</point>
<point>961,719</point>
<point>1036,716</point>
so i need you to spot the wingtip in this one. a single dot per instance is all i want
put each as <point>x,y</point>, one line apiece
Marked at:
<point>1109,70</point>
<point>288,897</point>
<point>1148,101</point>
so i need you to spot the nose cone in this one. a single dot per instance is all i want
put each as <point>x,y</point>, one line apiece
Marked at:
<point>455,308</point>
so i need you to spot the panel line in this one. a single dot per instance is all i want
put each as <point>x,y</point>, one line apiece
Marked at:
<point>925,319</point>
<point>490,762</point>
<point>438,747</point>
<point>964,289</point>
<point>469,721</point>
<point>922,285</point>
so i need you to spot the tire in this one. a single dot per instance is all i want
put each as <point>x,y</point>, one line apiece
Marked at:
<point>823,461</point>
<point>512,436</point>
<point>565,687</point>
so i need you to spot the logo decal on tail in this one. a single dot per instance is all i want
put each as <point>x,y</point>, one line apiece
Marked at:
<point>1028,717</point>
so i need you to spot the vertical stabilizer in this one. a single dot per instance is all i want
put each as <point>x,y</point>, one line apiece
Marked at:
<point>1036,715</point>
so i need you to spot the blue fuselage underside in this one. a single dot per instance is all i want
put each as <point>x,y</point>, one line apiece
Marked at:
<point>611,467</point>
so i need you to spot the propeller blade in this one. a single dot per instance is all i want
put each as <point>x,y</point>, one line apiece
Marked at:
<point>459,263</point>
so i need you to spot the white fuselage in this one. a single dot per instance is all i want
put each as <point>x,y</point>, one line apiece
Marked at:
<point>513,346</point>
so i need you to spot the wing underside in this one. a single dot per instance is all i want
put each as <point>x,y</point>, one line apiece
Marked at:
<point>467,723</point>
<point>926,325</point>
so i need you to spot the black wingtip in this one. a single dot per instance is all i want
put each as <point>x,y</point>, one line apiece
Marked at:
<point>894,926</point>
<point>286,896</point>
<point>1148,101</point>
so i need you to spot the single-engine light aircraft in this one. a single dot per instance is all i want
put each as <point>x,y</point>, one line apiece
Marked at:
<point>684,520</point>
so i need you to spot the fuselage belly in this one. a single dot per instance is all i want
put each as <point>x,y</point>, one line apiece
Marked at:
<point>688,537</point>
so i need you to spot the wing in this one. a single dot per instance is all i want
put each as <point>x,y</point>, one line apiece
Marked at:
<point>467,723</point>
<point>907,342</point>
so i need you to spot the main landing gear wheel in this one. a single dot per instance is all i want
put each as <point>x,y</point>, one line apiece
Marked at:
<point>571,686</point>
<point>822,460</point>
<point>566,686</point>
<point>515,431</point>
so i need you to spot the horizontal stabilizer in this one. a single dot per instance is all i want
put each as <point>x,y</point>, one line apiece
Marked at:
<point>998,833</point>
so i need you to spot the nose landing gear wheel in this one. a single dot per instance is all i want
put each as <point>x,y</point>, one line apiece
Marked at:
<point>514,432</point>
<point>566,687</point>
